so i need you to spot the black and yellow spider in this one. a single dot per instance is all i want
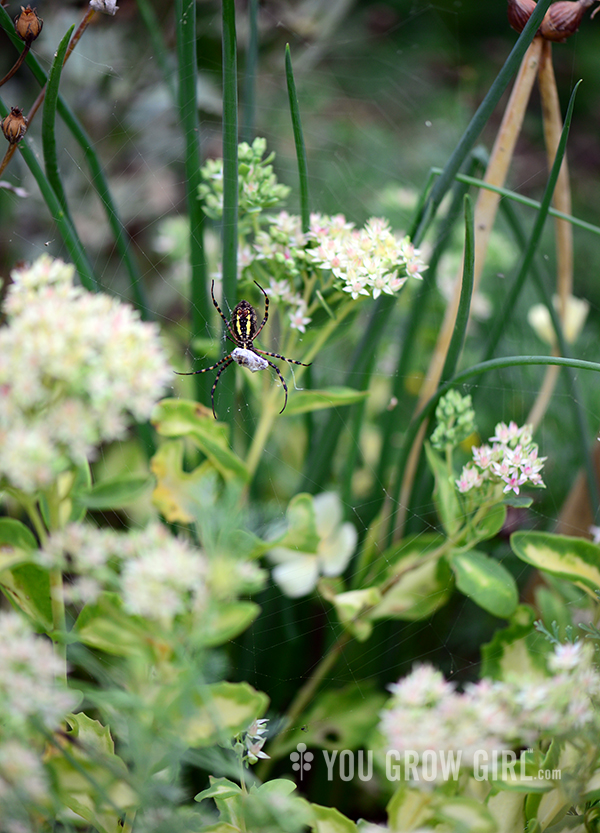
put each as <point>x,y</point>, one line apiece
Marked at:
<point>242,328</point>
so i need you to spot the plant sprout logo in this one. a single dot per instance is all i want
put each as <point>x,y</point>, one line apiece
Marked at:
<point>301,760</point>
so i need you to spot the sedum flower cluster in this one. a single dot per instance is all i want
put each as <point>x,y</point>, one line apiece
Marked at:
<point>511,459</point>
<point>157,575</point>
<point>365,261</point>
<point>258,188</point>
<point>455,419</point>
<point>29,680</point>
<point>32,698</point>
<point>75,367</point>
<point>426,712</point>
<point>361,262</point>
<point>275,251</point>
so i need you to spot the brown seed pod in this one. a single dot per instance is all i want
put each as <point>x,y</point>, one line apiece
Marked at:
<point>28,25</point>
<point>519,12</point>
<point>14,126</point>
<point>563,18</point>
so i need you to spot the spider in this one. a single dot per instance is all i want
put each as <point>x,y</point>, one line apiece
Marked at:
<point>243,331</point>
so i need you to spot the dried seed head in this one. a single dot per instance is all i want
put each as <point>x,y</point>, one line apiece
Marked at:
<point>519,12</point>
<point>28,25</point>
<point>562,19</point>
<point>106,6</point>
<point>14,126</point>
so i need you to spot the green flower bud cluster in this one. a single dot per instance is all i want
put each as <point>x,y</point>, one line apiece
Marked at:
<point>258,186</point>
<point>455,420</point>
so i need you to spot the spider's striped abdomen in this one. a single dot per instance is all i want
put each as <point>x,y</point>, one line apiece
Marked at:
<point>243,322</point>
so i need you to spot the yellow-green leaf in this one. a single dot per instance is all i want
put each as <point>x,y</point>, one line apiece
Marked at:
<point>330,820</point>
<point>181,495</point>
<point>486,582</point>
<point>221,711</point>
<point>17,543</point>
<point>304,401</point>
<point>575,559</point>
<point>184,418</point>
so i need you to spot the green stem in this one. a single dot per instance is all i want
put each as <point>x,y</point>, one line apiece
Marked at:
<point>519,198</point>
<point>298,140</point>
<point>59,625</point>
<point>259,440</point>
<point>48,122</point>
<point>464,308</point>
<point>32,510</point>
<point>230,181</point>
<point>200,304</point>
<point>155,29</point>
<point>247,127</point>
<point>303,698</point>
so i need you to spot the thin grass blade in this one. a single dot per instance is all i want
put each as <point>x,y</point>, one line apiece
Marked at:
<point>298,140</point>
<point>464,307</point>
<point>49,119</point>
<point>249,97</point>
<point>200,305</point>
<point>230,182</point>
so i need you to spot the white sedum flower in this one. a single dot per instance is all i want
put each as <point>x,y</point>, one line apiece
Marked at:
<point>30,673</point>
<point>426,713</point>
<point>297,573</point>
<point>75,368</point>
<point>157,575</point>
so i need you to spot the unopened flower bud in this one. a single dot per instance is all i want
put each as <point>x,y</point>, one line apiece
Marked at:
<point>14,126</point>
<point>519,12</point>
<point>28,25</point>
<point>562,19</point>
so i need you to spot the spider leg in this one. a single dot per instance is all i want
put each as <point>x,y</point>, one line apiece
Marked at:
<point>277,371</point>
<point>218,308</point>
<point>205,369</point>
<point>277,356</point>
<point>212,390</point>
<point>264,321</point>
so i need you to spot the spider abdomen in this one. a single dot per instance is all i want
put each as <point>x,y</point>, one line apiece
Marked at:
<point>249,359</point>
<point>244,322</point>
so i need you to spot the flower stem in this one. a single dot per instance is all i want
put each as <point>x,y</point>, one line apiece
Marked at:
<point>18,63</point>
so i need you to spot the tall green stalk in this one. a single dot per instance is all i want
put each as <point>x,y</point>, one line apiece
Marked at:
<point>250,71</point>
<point>464,307</point>
<point>298,140</point>
<point>230,185</point>
<point>48,122</point>
<point>200,305</point>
